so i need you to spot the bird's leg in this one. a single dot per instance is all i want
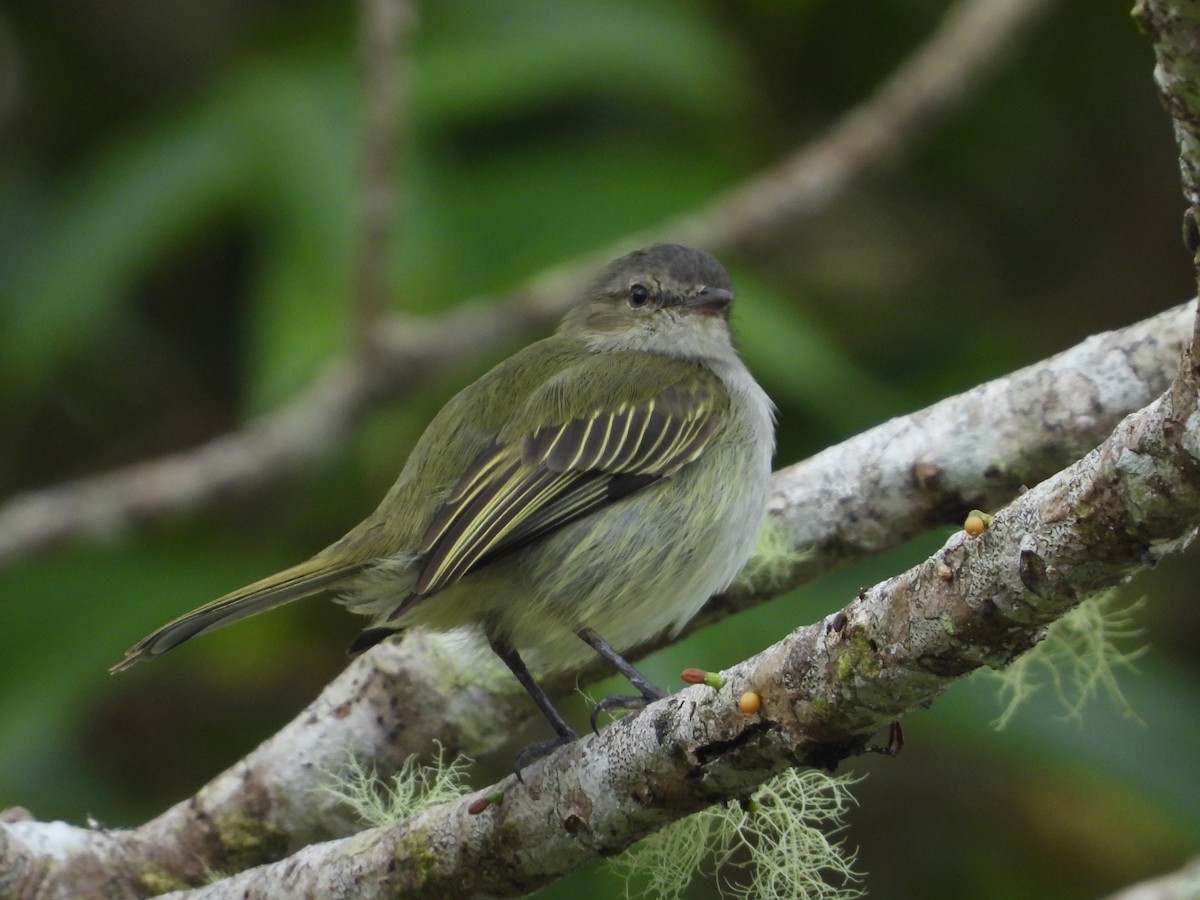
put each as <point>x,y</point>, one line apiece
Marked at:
<point>516,665</point>
<point>649,693</point>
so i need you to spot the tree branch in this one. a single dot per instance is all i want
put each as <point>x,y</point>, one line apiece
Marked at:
<point>1182,884</point>
<point>825,688</point>
<point>974,450</point>
<point>973,38</point>
<point>408,351</point>
<point>106,506</point>
<point>1174,30</point>
<point>401,698</point>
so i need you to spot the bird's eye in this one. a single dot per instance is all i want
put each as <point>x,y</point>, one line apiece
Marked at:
<point>639,295</point>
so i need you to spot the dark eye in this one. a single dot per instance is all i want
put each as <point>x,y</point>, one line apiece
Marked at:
<point>639,295</point>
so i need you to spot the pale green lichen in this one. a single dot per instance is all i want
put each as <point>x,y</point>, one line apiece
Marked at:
<point>772,565</point>
<point>823,710</point>
<point>857,659</point>
<point>1079,659</point>
<point>417,853</point>
<point>247,841</point>
<point>414,787</point>
<point>785,830</point>
<point>157,880</point>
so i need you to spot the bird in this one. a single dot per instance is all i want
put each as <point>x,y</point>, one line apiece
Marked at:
<point>588,493</point>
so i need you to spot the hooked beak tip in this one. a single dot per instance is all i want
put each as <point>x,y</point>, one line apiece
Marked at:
<point>712,301</point>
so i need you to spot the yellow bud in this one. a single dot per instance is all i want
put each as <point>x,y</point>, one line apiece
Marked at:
<point>977,522</point>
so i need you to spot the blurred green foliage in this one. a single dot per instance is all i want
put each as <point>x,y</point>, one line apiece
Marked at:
<point>176,194</point>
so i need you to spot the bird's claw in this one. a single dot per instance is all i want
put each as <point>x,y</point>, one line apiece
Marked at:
<point>536,751</point>
<point>623,701</point>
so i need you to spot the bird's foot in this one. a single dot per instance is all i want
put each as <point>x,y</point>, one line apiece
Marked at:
<point>534,752</point>
<point>623,701</point>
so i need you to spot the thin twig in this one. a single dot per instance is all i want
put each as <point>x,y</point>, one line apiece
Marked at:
<point>106,507</point>
<point>385,26</point>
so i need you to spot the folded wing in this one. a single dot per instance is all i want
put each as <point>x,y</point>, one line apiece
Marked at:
<point>517,492</point>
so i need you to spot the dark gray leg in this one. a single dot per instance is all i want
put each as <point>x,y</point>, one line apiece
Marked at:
<point>649,693</point>
<point>516,665</point>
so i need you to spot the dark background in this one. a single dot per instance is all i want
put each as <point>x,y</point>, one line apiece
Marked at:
<point>176,192</point>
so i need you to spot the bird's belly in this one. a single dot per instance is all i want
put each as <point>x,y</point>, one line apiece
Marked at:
<point>645,565</point>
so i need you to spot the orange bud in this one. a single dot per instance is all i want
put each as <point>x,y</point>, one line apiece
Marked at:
<point>977,522</point>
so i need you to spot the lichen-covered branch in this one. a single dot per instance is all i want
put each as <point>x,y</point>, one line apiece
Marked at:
<point>825,689</point>
<point>973,450</point>
<point>402,698</point>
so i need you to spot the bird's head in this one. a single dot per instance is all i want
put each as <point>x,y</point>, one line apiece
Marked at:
<point>662,299</point>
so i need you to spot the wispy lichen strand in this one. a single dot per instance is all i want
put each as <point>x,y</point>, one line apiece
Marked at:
<point>786,830</point>
<point>416,786</point>
<point>1079,659</point>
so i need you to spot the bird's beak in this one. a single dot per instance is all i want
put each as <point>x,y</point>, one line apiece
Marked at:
<point>711,301</point>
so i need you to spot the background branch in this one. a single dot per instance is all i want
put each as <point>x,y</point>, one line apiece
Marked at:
<point>1181,884</point>
<point>410,351</point>
<point>1173,29</point>
<point>973,38</point>
<point>385,27</point>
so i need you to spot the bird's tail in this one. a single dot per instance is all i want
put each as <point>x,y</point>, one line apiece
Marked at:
<point>307,578</point>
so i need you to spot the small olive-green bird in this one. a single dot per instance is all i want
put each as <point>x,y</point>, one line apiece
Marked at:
<point>593,489</point>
